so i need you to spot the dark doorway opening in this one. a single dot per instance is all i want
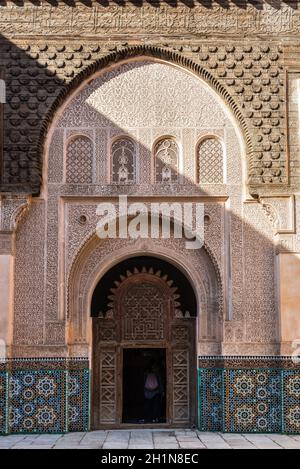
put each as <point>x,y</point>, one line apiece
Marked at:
<point>140,406</point>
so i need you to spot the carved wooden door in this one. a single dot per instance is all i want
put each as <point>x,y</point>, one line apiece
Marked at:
<point>144,314</point>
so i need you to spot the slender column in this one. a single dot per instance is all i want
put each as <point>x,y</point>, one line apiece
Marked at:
<point>6,292</point>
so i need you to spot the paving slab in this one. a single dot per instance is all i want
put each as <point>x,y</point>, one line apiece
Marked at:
<point>136,446</point>
<point>141,440</point>
<point>115,445</point>
<point>167,446</point>
<point>196,445</point>
<point>45,440</point>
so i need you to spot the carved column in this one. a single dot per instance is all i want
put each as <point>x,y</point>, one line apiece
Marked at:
<point>6,289</point>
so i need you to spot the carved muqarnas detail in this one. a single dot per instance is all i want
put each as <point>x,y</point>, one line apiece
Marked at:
<point>79,160</point>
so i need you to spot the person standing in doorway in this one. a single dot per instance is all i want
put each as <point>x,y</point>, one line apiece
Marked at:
<point>153,393</point>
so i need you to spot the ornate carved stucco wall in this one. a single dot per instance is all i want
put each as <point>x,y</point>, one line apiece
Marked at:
<point>231,57</point>
<point>221,41</point>
<point>144,99</point>
<point>247,54</point>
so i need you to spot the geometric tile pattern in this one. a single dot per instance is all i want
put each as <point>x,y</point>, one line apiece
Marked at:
<point>240,399</point>
<point>78,400</point>
<point>3,402</point>
<point>291,403</point>
<point>44,396</point>
<point>36,402</point>
<point>210,400</point>
<point>252,401</point>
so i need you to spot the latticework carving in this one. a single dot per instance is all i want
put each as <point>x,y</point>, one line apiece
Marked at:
<point>79,160</point>
<point>166,154</point>
<point>210,162</point>
<point>108,386</point>
<point>144,313</point>
<point>142,298</point>
<point>181,385</point>
<point>123,157</point>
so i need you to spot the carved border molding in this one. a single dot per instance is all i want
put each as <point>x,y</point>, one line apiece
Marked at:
<point>151,18</point>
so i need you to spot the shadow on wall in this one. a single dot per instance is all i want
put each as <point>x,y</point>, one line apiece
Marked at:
<point>32,88</point>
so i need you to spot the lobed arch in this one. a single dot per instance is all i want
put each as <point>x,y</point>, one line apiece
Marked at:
<point>96,257</point>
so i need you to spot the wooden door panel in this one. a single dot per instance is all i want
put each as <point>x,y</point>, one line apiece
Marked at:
<point>108,386</point>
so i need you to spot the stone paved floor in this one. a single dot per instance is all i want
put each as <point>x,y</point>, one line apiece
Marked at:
<point>149,439</point>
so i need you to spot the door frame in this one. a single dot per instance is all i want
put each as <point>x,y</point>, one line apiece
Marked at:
<point>168,387</point>
<point>118,345</point>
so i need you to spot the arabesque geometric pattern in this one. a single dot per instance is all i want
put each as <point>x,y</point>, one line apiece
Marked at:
<point>123,161</point>
<point>291,404</point>
<point>36,402</point>
<point>3,402</point>
<point>79,161</point>
<point>78,400</point>
<point>210,384</point>
<point>181,386</point>
<point>108,386</point>
<point>210,162</point>
<point>239,398</point>
<point>143,313</point>
<point>252,401</point>
<point>166,154</point>
<point>44,396</point>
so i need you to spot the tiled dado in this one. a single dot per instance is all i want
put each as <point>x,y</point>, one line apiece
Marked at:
<point>236,394</point>
<point>44,395</point>
<point>249,394</point>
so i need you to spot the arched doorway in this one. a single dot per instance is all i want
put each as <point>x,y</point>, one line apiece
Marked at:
<point>143,317</point>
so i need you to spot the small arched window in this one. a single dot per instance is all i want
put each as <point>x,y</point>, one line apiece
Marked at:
<point>210,162</point>
<point>166,154</point>
<point>79,164</point>
<point>123,154</point>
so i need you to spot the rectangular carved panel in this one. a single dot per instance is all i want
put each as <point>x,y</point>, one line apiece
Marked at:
<point>108,386</point>
<point>181,411</point>
<point>143,314</point>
